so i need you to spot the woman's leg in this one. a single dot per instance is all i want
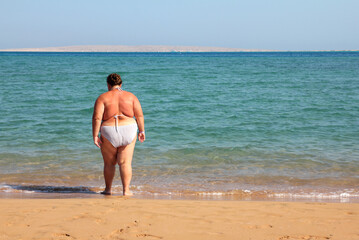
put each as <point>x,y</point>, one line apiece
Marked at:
<point>124,159</point>
<point>109,154</point>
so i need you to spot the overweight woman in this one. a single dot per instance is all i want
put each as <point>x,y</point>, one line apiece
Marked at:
<point>113,117</point>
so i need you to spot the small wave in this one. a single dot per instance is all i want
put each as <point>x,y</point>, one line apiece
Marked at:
<point>349,196</point>
<point>45,189</point>
<point>145,191</point>
<point>346,195</point>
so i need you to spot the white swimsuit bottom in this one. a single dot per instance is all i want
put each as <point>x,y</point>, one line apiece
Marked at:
<point>119,135</point>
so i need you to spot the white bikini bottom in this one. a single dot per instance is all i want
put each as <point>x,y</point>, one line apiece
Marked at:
<point>119,135</point>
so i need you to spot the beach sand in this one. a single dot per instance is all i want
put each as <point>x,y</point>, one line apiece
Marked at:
<point>124,218</point>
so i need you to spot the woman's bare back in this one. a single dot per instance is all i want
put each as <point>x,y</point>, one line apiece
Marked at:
<point>118,102</point>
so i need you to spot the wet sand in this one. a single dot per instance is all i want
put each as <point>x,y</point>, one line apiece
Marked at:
<point>123,218</point>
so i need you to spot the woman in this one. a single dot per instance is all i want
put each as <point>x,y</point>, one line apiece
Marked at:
<point>113,116</point>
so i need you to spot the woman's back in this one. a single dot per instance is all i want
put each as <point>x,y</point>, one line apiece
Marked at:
<point>118,102</point>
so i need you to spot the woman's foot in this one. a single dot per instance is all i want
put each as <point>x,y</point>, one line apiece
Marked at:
<point>127,193</point>
<point>106,192</point>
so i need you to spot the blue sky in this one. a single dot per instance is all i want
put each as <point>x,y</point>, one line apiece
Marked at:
<point>249,24</point>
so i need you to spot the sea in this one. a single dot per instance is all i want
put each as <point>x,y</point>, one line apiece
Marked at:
<point>219,126</point>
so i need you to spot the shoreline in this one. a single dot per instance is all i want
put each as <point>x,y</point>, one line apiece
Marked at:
<point>245,193</point>
<point>186,197</point>
<point>128,218</point>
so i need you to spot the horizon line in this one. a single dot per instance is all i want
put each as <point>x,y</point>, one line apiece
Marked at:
<point>153,49</point>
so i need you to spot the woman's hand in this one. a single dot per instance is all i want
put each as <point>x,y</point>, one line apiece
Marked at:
<point>141,137</point>
<point>97,141</point>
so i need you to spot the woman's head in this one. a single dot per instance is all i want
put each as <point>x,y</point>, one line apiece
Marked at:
<point>114,79</point>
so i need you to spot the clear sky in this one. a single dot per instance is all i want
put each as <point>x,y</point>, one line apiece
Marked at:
<point>249,24</point>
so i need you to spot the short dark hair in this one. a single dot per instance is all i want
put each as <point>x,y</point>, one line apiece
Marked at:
<point>114,79</point>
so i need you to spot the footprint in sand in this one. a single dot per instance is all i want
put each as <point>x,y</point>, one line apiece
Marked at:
<point>63,236</point>
<point>307,237</point>
<point>4,237</point>
<point>351,213</point>
<point>118,232</point>
<point>131,229</point>
<point>98,220</point>
<point>146,235</point>
<point>259,226</point>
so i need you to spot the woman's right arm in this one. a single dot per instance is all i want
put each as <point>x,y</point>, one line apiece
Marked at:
<point>139,119</point>
<point>96,121</point>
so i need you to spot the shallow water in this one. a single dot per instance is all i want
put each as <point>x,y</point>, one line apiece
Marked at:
<point>217,124</point>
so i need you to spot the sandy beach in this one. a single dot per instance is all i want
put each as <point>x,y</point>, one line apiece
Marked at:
<point>124,218</point>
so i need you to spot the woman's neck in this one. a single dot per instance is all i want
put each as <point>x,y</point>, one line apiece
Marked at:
<point>114,87</point>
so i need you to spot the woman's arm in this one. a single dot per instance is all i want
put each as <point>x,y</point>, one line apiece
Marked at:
<point>139,119</point>
<point>96,121</point>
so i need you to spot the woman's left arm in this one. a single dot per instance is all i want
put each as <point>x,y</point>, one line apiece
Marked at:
<point>96,121</point>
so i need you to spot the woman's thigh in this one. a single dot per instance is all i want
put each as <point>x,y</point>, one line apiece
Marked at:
<point>109,152</point>
<point>125,153</point>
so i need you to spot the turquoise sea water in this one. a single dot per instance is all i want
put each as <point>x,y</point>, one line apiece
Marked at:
<point>223,125</point>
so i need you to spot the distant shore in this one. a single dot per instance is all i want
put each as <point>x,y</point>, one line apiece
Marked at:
<point>142,48</point>
<point>123,48</point>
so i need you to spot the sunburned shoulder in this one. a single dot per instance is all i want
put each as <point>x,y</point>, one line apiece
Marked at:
<point>102,96</point>
<point>106,95</point>
<point>130,94</point>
